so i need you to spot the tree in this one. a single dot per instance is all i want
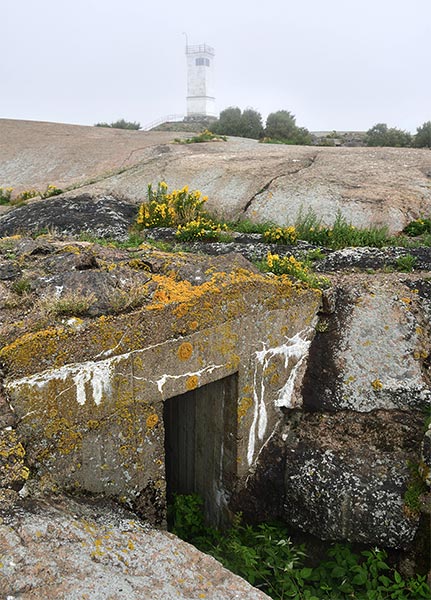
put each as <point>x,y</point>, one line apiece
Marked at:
<point>251,124</point>
<point>243,124</point>
<point>423,136</point>
<point>281,125</point>
<point>382,135</point>
<point>229,122</point>
<point>121,124</point>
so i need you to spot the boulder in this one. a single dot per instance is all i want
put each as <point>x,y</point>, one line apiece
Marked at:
<point>70,549</point>
<point>346,475</point>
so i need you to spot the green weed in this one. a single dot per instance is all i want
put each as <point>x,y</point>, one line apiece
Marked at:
<point>265,556</point>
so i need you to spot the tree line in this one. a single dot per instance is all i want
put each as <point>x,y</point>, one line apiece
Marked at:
<point>281,126</point>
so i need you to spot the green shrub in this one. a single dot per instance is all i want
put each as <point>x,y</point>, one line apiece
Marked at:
<point>5,195</point>
<point>205,136</point>
<point>418,227</point>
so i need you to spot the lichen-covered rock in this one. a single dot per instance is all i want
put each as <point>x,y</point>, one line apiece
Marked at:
<point>73,550</point>
<point>372,352</point>
<point>346,475</point>
<point>102,217</point>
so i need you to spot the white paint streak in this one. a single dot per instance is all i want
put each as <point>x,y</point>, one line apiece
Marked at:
<point>162,381</point>
<point>97,375</point>
<point>294,352</point>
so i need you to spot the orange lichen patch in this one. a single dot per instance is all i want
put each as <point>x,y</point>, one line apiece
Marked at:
<point>192,382</point>
<point>185,351</point>
<point>193,325</point>
<point>406,300</point>
<point>152,421</point>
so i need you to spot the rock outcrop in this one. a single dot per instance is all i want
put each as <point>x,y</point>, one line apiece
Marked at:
<point>388,186</point>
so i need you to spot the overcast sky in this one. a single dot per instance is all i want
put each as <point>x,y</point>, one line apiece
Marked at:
<point>336,64</point>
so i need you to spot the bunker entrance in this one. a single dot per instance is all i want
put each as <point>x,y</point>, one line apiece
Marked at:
<point>200,445</point>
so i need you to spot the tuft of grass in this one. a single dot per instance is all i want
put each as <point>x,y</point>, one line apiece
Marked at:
<point>248,226</point>
<point>406,263</point>
<point>123,300</point>
<point>71,304</point>
<point>21,286</point>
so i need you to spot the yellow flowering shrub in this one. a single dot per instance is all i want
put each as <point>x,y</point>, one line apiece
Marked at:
<point>289,265</point>
<point>164,209</point>
<point>200,228</point>
<point>281,235</point>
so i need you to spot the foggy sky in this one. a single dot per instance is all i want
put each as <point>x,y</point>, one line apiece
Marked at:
<point>336,64</point>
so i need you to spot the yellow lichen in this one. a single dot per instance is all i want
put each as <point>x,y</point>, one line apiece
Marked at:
<point>377,384</point>
<point>185,351</point>
<point>245,404</point>
<point>152,421</point>
<point>192,382</point>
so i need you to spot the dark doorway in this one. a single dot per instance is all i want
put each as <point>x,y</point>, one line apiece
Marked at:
<point>200,445</point>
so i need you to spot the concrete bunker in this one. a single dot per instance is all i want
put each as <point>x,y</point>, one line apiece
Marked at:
<point>200,445</point>
<point>93,418</point>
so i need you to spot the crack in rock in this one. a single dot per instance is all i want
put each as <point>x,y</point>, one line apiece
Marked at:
<point>311,162</point>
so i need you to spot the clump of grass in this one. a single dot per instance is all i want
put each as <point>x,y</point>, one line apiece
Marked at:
<point>248,226</point>
<point>406,263</point>
<point>341,235</point>
<point>21,286</point>
<point>130,298</point>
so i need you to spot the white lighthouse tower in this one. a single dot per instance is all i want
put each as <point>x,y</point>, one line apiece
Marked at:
<point>200,82</point>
